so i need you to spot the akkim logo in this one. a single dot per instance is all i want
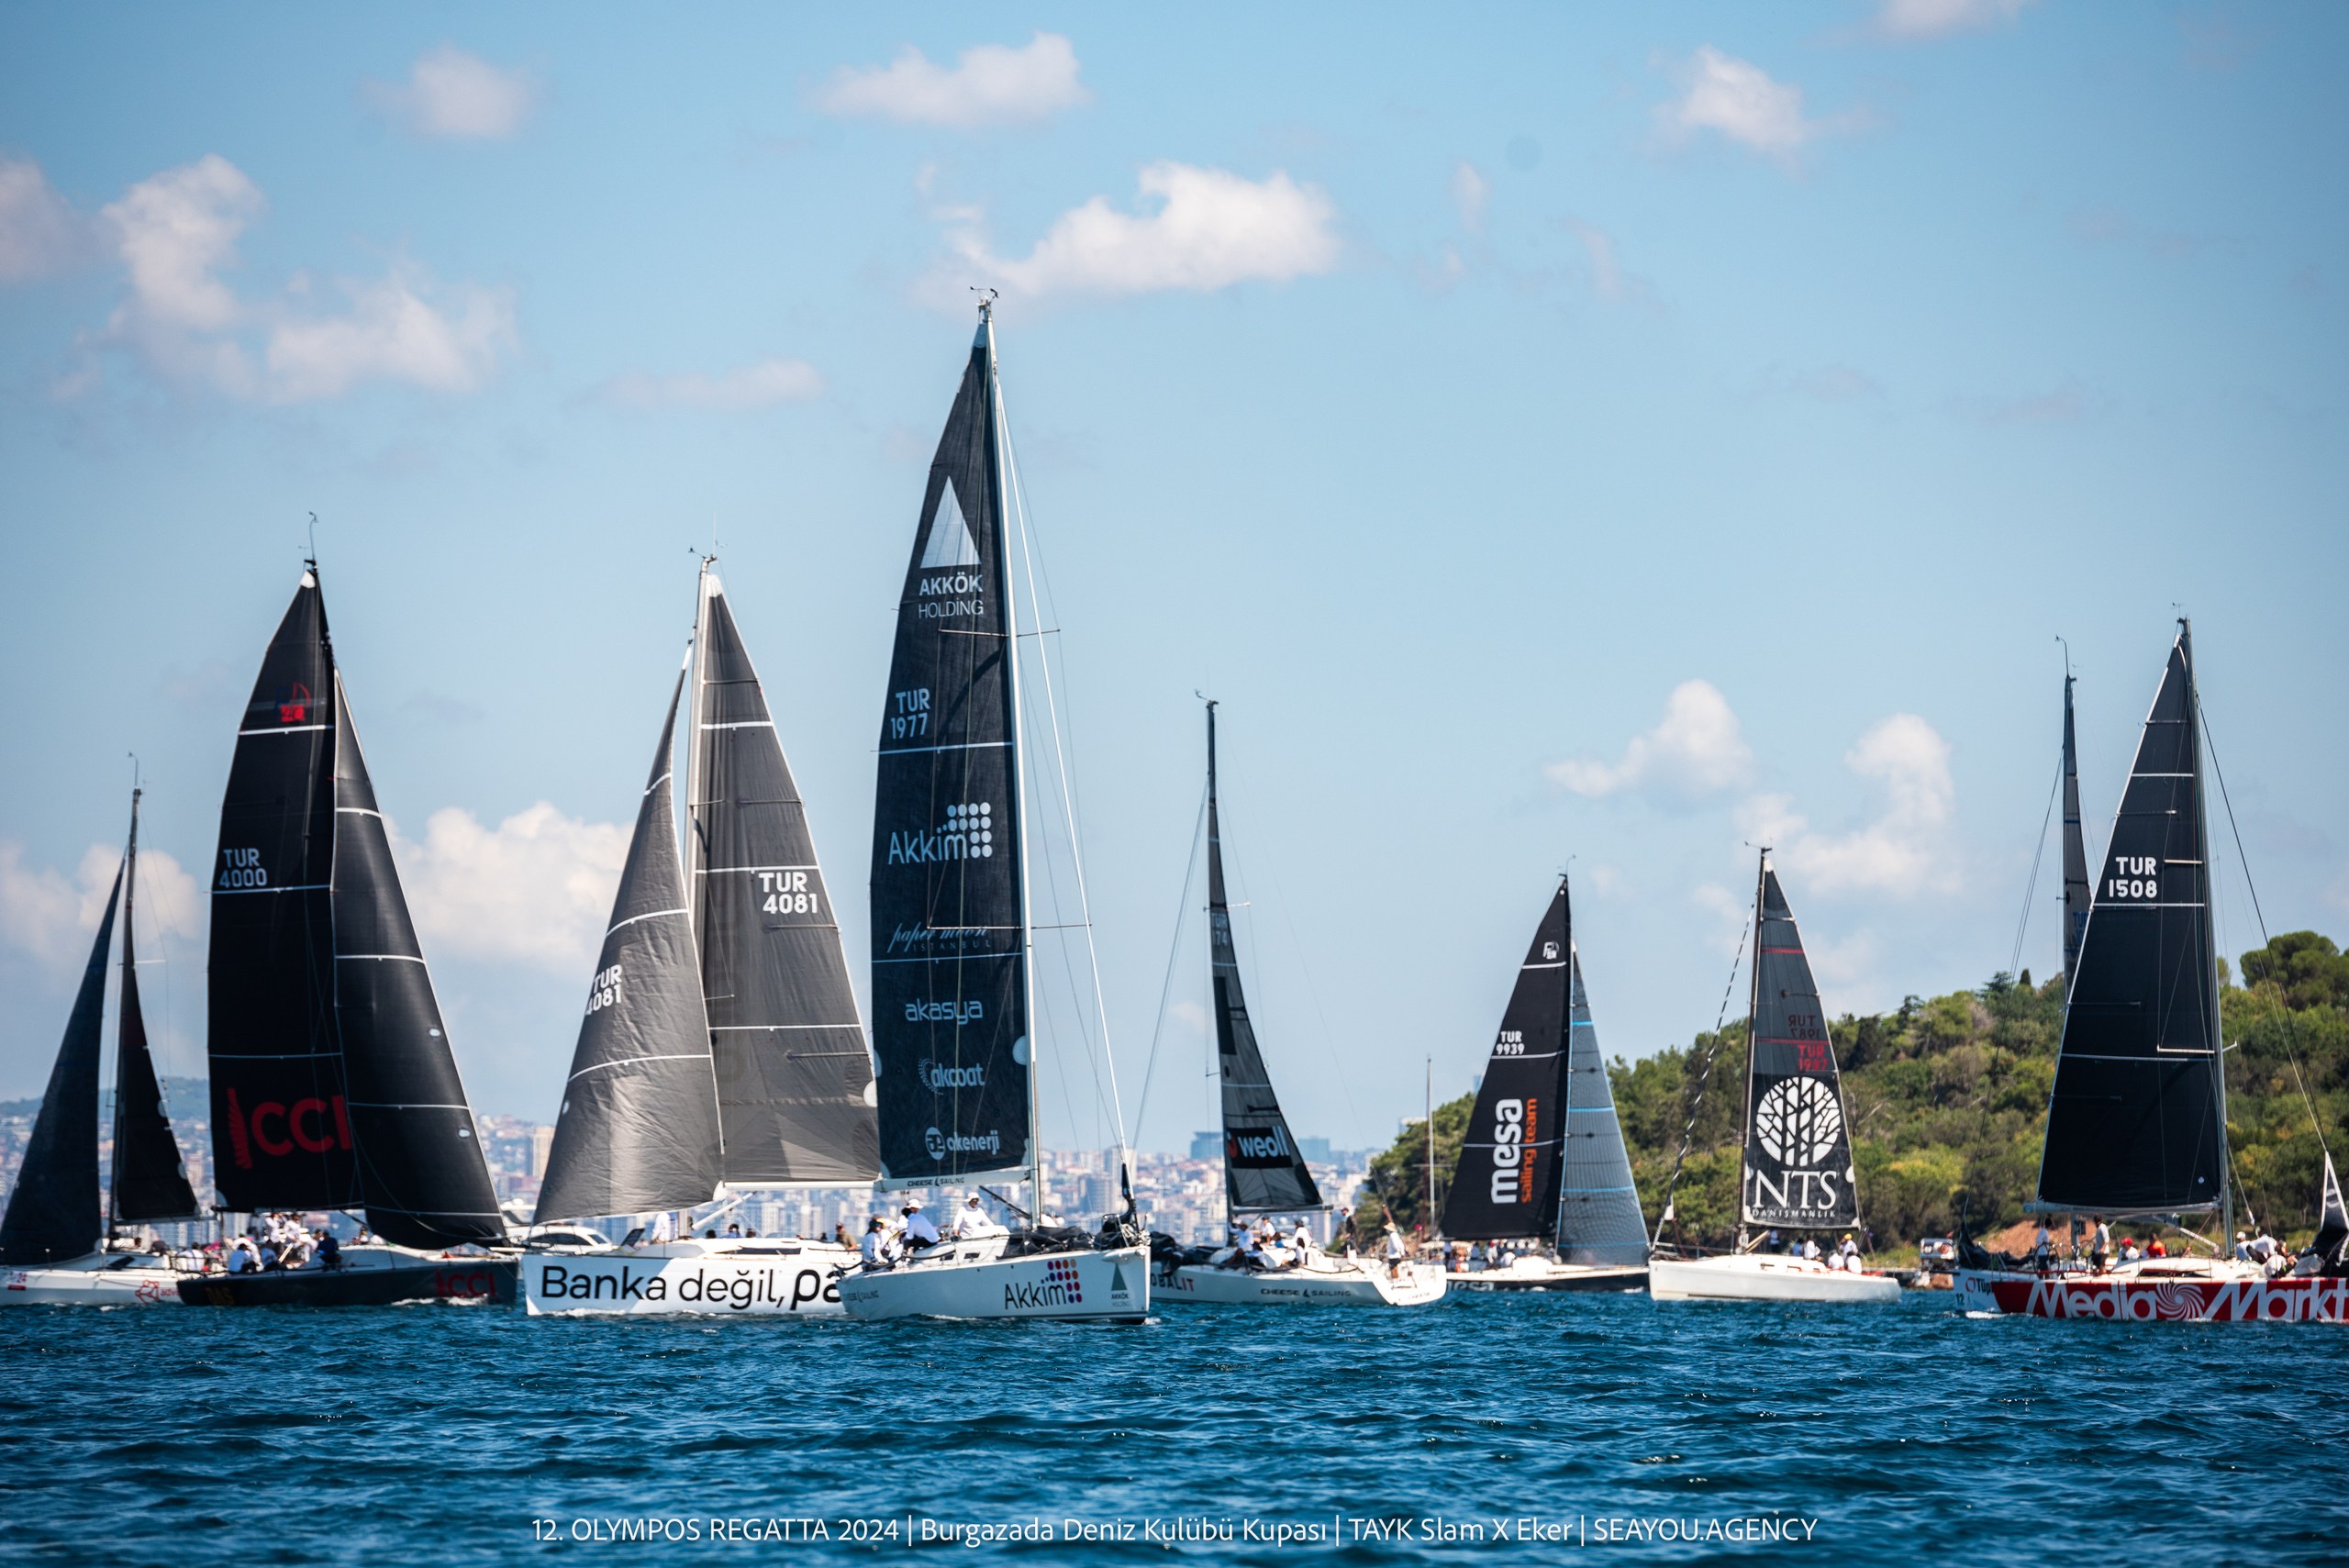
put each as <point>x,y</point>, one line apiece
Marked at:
<point>967,834</point>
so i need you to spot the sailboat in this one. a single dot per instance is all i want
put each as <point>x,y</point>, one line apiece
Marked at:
<point>333,1086</point>
<point>2136,1121</point>
<point>55,1246</point>
<point>954,1009</point>
<point>1263,1172</point>
<point>1796,1169</point>
<point>1543,1160</point>
<point>720,1050</point>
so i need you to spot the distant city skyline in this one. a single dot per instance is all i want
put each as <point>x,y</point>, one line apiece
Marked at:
<point>1597,439</point>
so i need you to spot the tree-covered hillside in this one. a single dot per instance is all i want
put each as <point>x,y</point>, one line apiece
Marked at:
<point>1948,1097</point>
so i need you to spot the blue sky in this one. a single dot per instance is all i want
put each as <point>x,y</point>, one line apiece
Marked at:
<point>1552,432</point>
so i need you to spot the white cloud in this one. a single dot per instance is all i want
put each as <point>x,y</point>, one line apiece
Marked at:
<point>1470,192</point>
<point>1696,748</point>
<point>1905,850</point>
<point>40,232</point>
<point>990,84</point>
<point>1742,102</point>
<point>460,97</point>
<point>176,234</point>
<point>1212,228</point>
<point>1913,19</point>
<point>758,386</point>
<point>52,917</point>
<point>537,889</point>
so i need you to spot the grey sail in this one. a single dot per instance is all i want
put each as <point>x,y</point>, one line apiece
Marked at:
<point>795,1081</point>
<point>147,1180</point>
<point>639,1127</point>
<point>421,1174</point>
<point>1798,1169</point>
<point>53,1209</point>
<point>1262,1167</point>
<point>2076,856</point>
<point>2134,1121</point>
<point>1599,1204</point>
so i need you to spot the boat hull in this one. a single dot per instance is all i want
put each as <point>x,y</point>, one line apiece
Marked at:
<point>1339,1282</point>
<point>2214,1295</point>
<point>91,1283</point>
<point>483,1281</point>
<point>1547,1276</point>
<point>768,1281</point>
<point>978,1283</point>
<point>1765,1277</point>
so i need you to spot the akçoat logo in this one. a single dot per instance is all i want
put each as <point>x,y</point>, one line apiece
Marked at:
<point>967,834</point>
<point>1798,1121</point>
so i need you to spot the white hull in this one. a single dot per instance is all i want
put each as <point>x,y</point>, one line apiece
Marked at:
<point>1761,1276</point>
<point>699,1278</point>
<point>974,1280</point>
<point>1549,1274</point>
<point>1320,1281</point>
<point>101,1279</point>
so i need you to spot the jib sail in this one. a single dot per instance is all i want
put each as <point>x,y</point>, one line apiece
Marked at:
<point>281,1117</point>
<point>149,1179</point>
<point>950,939</point>
<point>2135,1123</point>
<point>1798,1167</point>
<point>53,1208</point>
<point>421,1174</point>
<point>1506,1184</point>
<point>1262,1167</point>
<point>795,1081</point>
<point>639,1126</point>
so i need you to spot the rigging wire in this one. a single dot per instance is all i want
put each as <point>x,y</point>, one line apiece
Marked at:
<point>1697,1102</point>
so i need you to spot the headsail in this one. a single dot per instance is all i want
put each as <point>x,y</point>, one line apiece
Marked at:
<point>1507,1186</point>
<point>1599,1204</point>
<point>795,1082</point>
<point>280,1121</point>
<point>1262,1167</point>
<point>148,1178</point>
<point>53,1209</point>
<point>950,937</point>
<point>421,1174</point>
<point>2076,857</point>
<point>2134,1125</point>
<point>639,1126</point>
<point>1798,1167</point>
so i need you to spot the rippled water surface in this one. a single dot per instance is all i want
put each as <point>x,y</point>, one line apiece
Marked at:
<point>439,1434</point>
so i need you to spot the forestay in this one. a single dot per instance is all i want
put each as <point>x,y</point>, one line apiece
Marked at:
<point>1798,1169</point>
<point>950,949</point>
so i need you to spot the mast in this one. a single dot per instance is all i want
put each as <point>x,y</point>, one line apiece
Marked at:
<point>1013,758</point>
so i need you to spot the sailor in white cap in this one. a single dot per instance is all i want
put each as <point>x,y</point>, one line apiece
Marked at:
<point>919,1231</point>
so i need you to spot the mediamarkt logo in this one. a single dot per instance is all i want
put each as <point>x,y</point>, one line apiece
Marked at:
<point>941,1077</point>
<point>1513,1128</point>
<point>941,1144</point>
<point>967,834</point>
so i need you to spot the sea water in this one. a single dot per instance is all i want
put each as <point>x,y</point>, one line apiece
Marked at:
<point>1486,1428</point>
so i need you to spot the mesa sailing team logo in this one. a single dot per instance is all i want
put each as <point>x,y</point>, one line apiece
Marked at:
<point>967,834</point>
<point>1798,1121</point>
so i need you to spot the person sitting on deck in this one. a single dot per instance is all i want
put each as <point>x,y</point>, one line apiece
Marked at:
<point>919,1230</point>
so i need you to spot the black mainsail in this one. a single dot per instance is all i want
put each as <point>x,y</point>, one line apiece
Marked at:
<point>1798,1169</point>
<point>1507,1182</point>
<point>332,1082</point>
<point>639,1127</point>
<point>148,1180</point>
<point>1599,1220</point>
<point>2135,1123</point>
<point>795,1081</point>
<point>53,1209</point>
<point>421,1174</point>
<point>1262,1168</point>
<point>950,929</point>
<point>2076,857</point>
<point>281,1120</point>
